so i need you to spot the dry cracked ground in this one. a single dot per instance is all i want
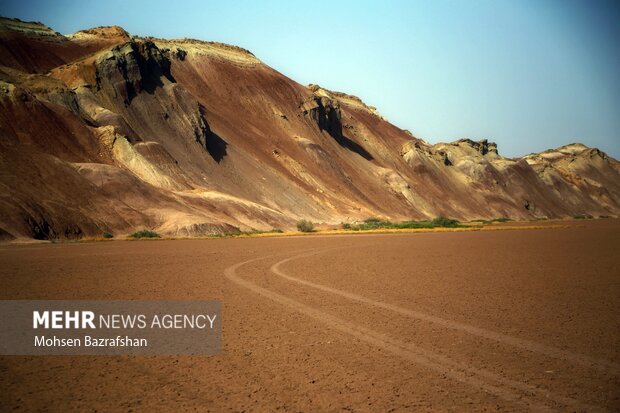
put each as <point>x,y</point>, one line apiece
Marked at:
<point>519,320</point>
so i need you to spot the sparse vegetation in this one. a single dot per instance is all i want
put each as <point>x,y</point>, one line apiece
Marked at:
<point>346,225</point>
<point>145,233</point>
<point>583,216</point>
<point>490,221</point>
<point>445,222</point>
<point>372,223</point>
<point>376,223</point>
<point>305,226</point>
<point>251,232</point>
<point>108,235</point>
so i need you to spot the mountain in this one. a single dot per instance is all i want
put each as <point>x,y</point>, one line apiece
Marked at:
<point>104,131</point>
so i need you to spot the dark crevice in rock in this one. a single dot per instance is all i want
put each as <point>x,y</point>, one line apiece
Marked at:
<point>325,112</point>
<point>212,142</point>
<point>42,229</point>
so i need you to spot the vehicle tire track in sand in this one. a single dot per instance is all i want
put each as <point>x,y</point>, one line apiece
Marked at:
<point>528,345</point>
<point>506,389</point>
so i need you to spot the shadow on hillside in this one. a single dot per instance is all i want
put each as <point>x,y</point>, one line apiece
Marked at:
<point>216,146</point>
<point>352,146</point>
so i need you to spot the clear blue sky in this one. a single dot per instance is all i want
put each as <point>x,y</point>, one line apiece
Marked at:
<point>528,74</point>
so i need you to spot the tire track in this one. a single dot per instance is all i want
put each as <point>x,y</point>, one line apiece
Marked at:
<point>529,397</point>
<point>524,344</point>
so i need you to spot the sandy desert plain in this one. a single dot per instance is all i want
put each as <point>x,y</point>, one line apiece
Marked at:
<point>515,320</point>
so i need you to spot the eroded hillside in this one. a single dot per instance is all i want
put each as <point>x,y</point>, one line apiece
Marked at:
<point>103,131</point>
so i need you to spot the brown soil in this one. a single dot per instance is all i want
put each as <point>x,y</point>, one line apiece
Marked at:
<point>520,320</point>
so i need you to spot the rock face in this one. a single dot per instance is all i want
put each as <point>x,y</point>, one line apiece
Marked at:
<point>102,131</point>
<point>132,68</point>
<point>324,111</point>
<point>483,147</point>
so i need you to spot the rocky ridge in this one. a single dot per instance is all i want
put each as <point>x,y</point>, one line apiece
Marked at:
<point>104,131</point>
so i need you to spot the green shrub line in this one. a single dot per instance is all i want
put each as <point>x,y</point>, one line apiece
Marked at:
<point>108,235</point>
<point>145,233</point>
<point>375,223</point>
